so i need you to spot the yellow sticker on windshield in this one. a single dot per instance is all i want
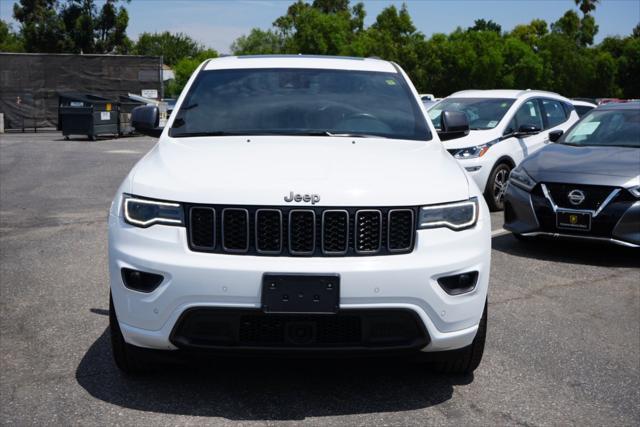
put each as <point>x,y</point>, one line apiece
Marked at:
<point>391,82</point>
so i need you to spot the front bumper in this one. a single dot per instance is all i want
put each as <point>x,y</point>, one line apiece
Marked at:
<point>532,214</point>
<point>195,280</point>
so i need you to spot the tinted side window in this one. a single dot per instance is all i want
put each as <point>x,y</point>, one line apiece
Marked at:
<point>582,110</point>
<point>554,112</point>
<point>529,114</point>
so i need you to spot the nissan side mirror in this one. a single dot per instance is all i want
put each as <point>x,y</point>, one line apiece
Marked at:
<point>453,124</point>
<point>555,135</point>
<point>145,119</point>
<point>527,130</point>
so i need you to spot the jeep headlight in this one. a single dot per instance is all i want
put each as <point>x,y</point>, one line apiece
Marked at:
<point>456,216</point>
<point>520,178</point>
<point>146,212</point>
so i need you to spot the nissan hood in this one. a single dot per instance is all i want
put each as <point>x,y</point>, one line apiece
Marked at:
<point>614,166</point>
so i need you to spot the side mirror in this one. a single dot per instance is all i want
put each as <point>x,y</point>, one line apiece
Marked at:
<point>453,124</point>
<point>555,135</point>
<point>527,130</point>
<point>145,120</point>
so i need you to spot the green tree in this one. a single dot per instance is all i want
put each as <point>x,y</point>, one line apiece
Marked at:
<point>184,68</point>
<point>323,27</point>
<point>531,33</point>
<point>482,25</point>
<point>172,47</point>
<point>9,40</point>
<point>78,19</point>
<point>586,6</point>
<point>522,67</point>
<point>41,28</point>
<point>111,29</point>
<point>258,42</point>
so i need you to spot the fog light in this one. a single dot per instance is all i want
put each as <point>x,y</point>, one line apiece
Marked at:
<point>459,283</point>
<point>140,281</point>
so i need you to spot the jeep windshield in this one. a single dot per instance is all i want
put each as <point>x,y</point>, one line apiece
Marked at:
<point>287,101</point>
<point>617,128</point>
<point>483,113</point>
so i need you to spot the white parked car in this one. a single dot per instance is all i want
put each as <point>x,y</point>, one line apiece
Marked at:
<point>299,204</point>
<point>506,126</point>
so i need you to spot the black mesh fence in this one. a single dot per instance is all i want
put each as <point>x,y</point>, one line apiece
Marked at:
<point>30,83</point>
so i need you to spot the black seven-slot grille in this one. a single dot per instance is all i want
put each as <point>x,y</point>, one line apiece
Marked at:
<point>284,231</point>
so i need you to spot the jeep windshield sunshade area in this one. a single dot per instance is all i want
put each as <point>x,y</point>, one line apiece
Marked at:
<point>483,113</point>
<point>619,128</point>
<point>287,101</point>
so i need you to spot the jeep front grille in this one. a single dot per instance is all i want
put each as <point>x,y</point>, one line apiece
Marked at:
<point>285,231</point>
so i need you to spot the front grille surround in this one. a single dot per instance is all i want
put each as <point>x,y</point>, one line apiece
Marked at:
<point>237,229</point>
<point>335,231</point>
<point>327,234</point>
<point>259,243</point>
<point>368,241</point>
<point>199,237</point>
<point>390,223</point>
<point>294,239</point>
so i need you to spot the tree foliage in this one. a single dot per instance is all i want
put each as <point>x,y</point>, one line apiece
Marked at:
<point>559,56</point>
<point>72,26</point>
<point>171,46</point>
<point>10,41</point>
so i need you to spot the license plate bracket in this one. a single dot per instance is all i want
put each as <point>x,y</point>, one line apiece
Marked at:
<point>300,293</point>
<point>568,220</point>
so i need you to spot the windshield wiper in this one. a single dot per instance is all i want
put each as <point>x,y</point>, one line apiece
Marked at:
<point>353,135</point>
<point>266,132</point>
<point>213,133</point>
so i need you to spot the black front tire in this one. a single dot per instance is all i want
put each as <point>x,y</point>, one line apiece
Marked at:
<point>127,357</point>
<point>496,186</point>
<point>467,359</point>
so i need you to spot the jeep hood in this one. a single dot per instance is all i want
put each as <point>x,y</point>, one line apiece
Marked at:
<point>263,170</point>
<point>615,166</point>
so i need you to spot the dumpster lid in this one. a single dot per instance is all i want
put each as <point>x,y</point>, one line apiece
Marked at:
<point>85,97</point>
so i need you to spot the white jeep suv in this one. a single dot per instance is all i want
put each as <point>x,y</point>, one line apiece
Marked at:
<point>506,126</point>
<point>299,204</point>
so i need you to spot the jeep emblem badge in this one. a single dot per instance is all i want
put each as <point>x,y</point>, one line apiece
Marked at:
<point>293,197</point>
<point>576,197</point>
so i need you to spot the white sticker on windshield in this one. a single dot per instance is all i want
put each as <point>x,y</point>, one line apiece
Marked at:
<point>492,124</point>
<point>585,128</point>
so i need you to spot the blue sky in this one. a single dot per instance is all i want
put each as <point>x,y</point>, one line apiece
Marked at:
<point>216,23</point>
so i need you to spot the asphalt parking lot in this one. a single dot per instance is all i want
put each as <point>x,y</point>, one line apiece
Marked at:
<point>563,341</point>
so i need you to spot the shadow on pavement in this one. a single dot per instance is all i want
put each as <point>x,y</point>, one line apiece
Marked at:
<point>263,389</point>
<point>569,251</point>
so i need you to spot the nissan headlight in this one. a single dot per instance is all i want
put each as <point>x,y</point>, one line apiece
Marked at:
<point>146,212</point>
<point>520,178</point>
<point>456,216</point>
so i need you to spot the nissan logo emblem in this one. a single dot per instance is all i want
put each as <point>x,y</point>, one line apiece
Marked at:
<point>576,197</point>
